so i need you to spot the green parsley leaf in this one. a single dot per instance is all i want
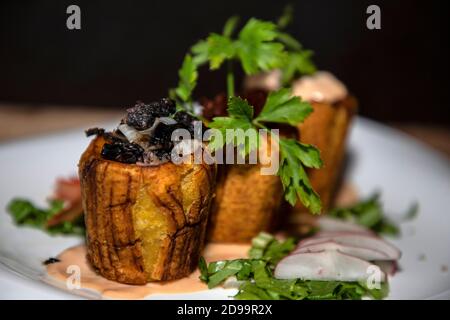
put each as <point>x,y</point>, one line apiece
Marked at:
<point>237,128</point>
<point>220,48</point>
<point>293,176</point>
<point>203,267</point>
<point>25,213</point>
<point>188,79</point>
<point>230,268</point>
<point>282,107</point>
<point>289,41</point>
<point>370,213</point>
<point>297,63</point>
<point>230,26</point>
<point>256,49</point>
<point>287,16</point>
<point>240,109</point>
<point>200,52</point>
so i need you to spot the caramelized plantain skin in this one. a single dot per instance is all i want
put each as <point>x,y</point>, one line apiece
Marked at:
<point>327,128</point>
<point>144,223</point>
<point>246,202</point>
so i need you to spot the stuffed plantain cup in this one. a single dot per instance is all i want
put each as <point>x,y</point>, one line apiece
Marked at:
<point>246,202</point>
<point>145,216</point>
<point>326,128</point>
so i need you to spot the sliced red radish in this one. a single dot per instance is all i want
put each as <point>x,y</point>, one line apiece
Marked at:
<point>352,250</point>
<point>325,266</point>
<point>388,267</point>
<point>354,239</point>
<point>329,224</point>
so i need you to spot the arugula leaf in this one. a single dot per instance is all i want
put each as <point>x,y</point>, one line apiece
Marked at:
<point>295,181</point>
<point>282,107</point>
<point>26,213</point>
<point>369,213</point>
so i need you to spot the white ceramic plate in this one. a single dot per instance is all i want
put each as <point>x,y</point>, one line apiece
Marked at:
<point>382,159</point>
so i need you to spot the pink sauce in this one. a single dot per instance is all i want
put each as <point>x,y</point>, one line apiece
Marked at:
<point>57,274</point>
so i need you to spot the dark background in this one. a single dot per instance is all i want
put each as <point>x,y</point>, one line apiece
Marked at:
<point>130,50</point>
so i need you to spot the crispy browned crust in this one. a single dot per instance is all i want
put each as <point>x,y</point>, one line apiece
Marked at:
<point>326,128</point>
<point>180,196</point>
<point>246,203</point>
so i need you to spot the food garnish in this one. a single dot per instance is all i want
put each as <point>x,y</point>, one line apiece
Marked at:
<point>280,107</point>
<point>255,277</point>
<point>258,47</point>
<point>25,213</point>
<point>370,214</point>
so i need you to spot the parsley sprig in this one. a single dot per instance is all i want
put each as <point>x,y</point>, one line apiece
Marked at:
<point>259,46</point>
<point>256,48</point>
<point>280,107</point>
<point>298,60</point>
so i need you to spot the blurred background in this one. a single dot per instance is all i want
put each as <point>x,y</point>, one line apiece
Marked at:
<point>52,77</point>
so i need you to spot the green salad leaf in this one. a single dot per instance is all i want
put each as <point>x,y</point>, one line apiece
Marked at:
<point>258,283</point>
<point>25,213</point>
<point>370,213</point>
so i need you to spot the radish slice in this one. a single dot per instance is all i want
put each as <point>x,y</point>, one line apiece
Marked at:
<point>388,267</point>
<point>352,250</point>
<point>328,224</point>
<point>357,240</point>
<point>326,266</point>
